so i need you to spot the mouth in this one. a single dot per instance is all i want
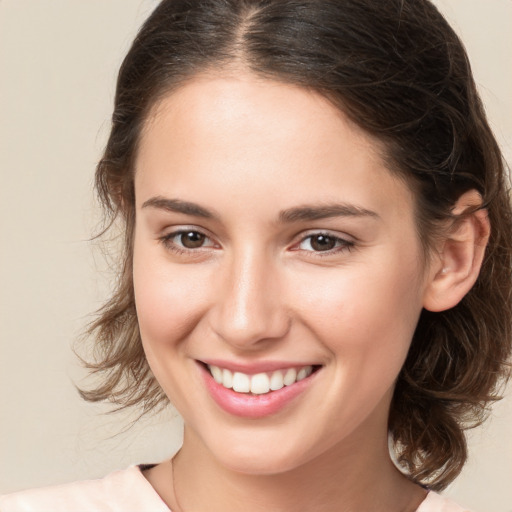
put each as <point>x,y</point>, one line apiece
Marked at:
<point>259,390</point>
<point>260,383</point>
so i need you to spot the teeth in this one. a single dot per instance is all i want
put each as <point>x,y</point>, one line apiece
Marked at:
<point>227,379</point>
<point>301,374</point>
<point>276,381</point>
<point>217,374</point>
<point>290,376</point>
<point>241,382</point>
<point>260,383</point>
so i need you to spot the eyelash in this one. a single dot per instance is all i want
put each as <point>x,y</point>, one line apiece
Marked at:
<point>341,244</point>
<point>167,241</point>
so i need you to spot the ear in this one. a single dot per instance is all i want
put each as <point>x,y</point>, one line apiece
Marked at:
<point>456,267</point>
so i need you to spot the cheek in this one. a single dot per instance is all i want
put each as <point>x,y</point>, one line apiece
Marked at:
<point>167,301</point>
<point>366,314</point>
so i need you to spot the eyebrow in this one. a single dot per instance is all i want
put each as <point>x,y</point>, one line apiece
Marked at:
<point>288,216</point>
<point>307,212</point>
<point>179,206</point>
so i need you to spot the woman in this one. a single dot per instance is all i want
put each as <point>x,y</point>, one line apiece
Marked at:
<point>317,258</point>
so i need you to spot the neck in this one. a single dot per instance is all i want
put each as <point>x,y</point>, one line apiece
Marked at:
<point>339,480</point>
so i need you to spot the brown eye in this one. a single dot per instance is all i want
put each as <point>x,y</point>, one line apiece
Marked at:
<point>192,239</point>
<point>187,241</point>
<point>322,242</point>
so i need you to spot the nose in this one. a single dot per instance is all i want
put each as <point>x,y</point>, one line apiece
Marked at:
<point>249,308</point>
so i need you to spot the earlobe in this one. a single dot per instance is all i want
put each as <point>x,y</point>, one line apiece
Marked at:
<point>456,268</point>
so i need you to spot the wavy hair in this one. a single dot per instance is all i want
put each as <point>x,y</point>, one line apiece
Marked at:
<point>399,71</point>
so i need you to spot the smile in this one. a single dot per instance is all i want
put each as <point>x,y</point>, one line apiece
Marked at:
<point>260,383</point>
<point>258,392</point>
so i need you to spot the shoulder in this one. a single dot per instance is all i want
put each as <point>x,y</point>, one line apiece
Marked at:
<point>436,503</point>
<point>121,491</point>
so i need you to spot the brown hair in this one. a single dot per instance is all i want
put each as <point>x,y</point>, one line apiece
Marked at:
<point>399,71</point>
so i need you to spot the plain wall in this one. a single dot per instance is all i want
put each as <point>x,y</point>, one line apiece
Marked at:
<point>58,61</point>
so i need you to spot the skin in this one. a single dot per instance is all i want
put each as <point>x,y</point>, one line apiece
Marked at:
<point>246,150</point>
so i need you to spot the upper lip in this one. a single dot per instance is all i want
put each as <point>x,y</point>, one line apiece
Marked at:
<point>251,368</point>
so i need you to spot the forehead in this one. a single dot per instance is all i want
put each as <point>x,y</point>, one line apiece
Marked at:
<point>216,103</point>
<point>232,134</point>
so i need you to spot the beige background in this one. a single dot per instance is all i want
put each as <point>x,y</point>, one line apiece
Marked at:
<point>58,60</point>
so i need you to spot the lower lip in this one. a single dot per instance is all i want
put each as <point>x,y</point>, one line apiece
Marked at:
<point>254,406</point>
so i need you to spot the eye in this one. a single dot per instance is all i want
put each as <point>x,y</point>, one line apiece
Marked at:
<point>186,240</point>
<point>190,239</point>
<point>324,242</point>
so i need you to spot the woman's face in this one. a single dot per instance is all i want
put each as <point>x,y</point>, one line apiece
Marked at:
<point>273,252</point>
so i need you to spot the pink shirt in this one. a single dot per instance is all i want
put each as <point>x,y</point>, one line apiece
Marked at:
<point>128,491</point>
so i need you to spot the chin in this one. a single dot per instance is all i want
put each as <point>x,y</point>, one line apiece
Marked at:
<point>260,459</point>
<point>262,466</point>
